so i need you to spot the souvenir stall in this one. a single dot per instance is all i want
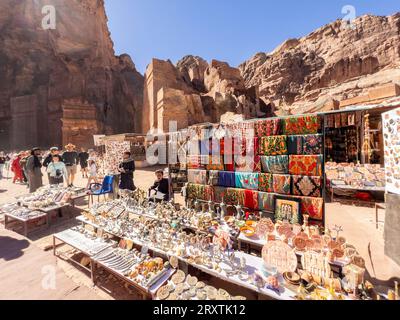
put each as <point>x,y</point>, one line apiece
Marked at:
<point>391,131</point>
<point>116,145</point>
<point>39,209</point>
<point>355,153</point>
<point>177,169</point>
<point>169,254</point>
<point>279,170</point>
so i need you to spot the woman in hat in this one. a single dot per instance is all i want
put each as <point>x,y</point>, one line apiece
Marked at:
<point>70,158</point>
<point>34,170</point>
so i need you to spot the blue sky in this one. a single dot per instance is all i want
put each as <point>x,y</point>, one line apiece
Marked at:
<point>231,31</point>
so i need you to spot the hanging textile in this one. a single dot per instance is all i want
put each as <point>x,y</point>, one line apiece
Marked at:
<point>219,194</point>
<point>199,192</point>
<point>216,163</point>
<point>351,119</point>
<point>307,186</point>
<point>277,164</point>
<point>196,162</point>
<point>266,201</point>
<point>265,183</point>
<point>338,120</point>
<point>251,199</point>
<point>330,121</point>
<point>302,125</point>
<point>312,144</point>
<point>248,164</point>
<point>246,180</point>
<point>314,207</point>
<point>295,144</point>
<point>226,179</point>
<point>197,176</point>
<point>273,146</point>
<point>269,127</point>
<point>205,146</point>
<point>306,165</point>
<point>282,184</point>
<point>213,177</point>
<point>234,197</point>
<point>344,119</point>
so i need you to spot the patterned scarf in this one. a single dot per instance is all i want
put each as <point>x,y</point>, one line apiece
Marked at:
<point>197,176</point>
<point>265,183</point>
<point>306,165</point>
<point>310,124</point>
<point>307,186</point>
<point>277,164</point>
<point>269,127</point>
<point>246,180</point>
<point>273,146</point>
<point>266,201</point>
<point>282,184</point>
<point>251,199</point>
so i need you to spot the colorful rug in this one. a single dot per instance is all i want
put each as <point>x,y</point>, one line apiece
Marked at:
<point>266,182</point>
<point>305,165</point>
<point>295,144</point>
<point>269,127</point>
<point>302,125</point>
<point>234,197</point>
<point>251,199</point>
<point>314,207</point>
<point>276,165</point>
<point>307,186</point>
<point>197,176</point>
<point>273,146</point>
<point>244,180</point>
<point>266,201</point>
<point>312,144</point>
<point>282,183</point>
<point>213,177</point>
<point>226,179</point>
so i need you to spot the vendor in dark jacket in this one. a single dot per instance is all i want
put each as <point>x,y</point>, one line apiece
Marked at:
<point>127,168</point>
<point>161,185</point>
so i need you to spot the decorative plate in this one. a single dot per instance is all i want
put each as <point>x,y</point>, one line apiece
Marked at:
<point>280,255</point>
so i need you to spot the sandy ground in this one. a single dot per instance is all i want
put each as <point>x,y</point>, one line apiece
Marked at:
<point>17,254</point>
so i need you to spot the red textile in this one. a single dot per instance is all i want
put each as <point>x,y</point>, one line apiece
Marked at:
<point>251,199</point>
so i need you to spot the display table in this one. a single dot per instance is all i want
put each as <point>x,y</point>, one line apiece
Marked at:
<point>147,293</point>
<point>9,217</point>
<point>353,188</point>
<point>80,242</point>
<point>258,244</point>
<point>253,264</point>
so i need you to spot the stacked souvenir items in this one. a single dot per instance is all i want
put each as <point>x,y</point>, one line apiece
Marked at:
<point>273,165</point>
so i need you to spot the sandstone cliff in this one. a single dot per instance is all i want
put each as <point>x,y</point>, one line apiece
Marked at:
<point>195,91</point>
<point>334,62</point>
<point>49,75</point>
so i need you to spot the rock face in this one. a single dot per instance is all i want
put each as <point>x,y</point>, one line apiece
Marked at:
<point>335,62</point>
<point>50,77</point>
<point>194,92</point>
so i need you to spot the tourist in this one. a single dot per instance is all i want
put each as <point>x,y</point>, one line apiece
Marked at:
<point>17,169</point>
<point>57,171</point>
<point>23,161</point>
<point>34,170</point>
<point>83,162</point>
<point>161,186</point>
<point>49,158</point>
<point>127,168</point>
<point>2,163</point>
<point>70,158</point>
<point>92,172</point>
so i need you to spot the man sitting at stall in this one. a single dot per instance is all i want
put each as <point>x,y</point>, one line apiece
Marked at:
<point>160,190</point>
